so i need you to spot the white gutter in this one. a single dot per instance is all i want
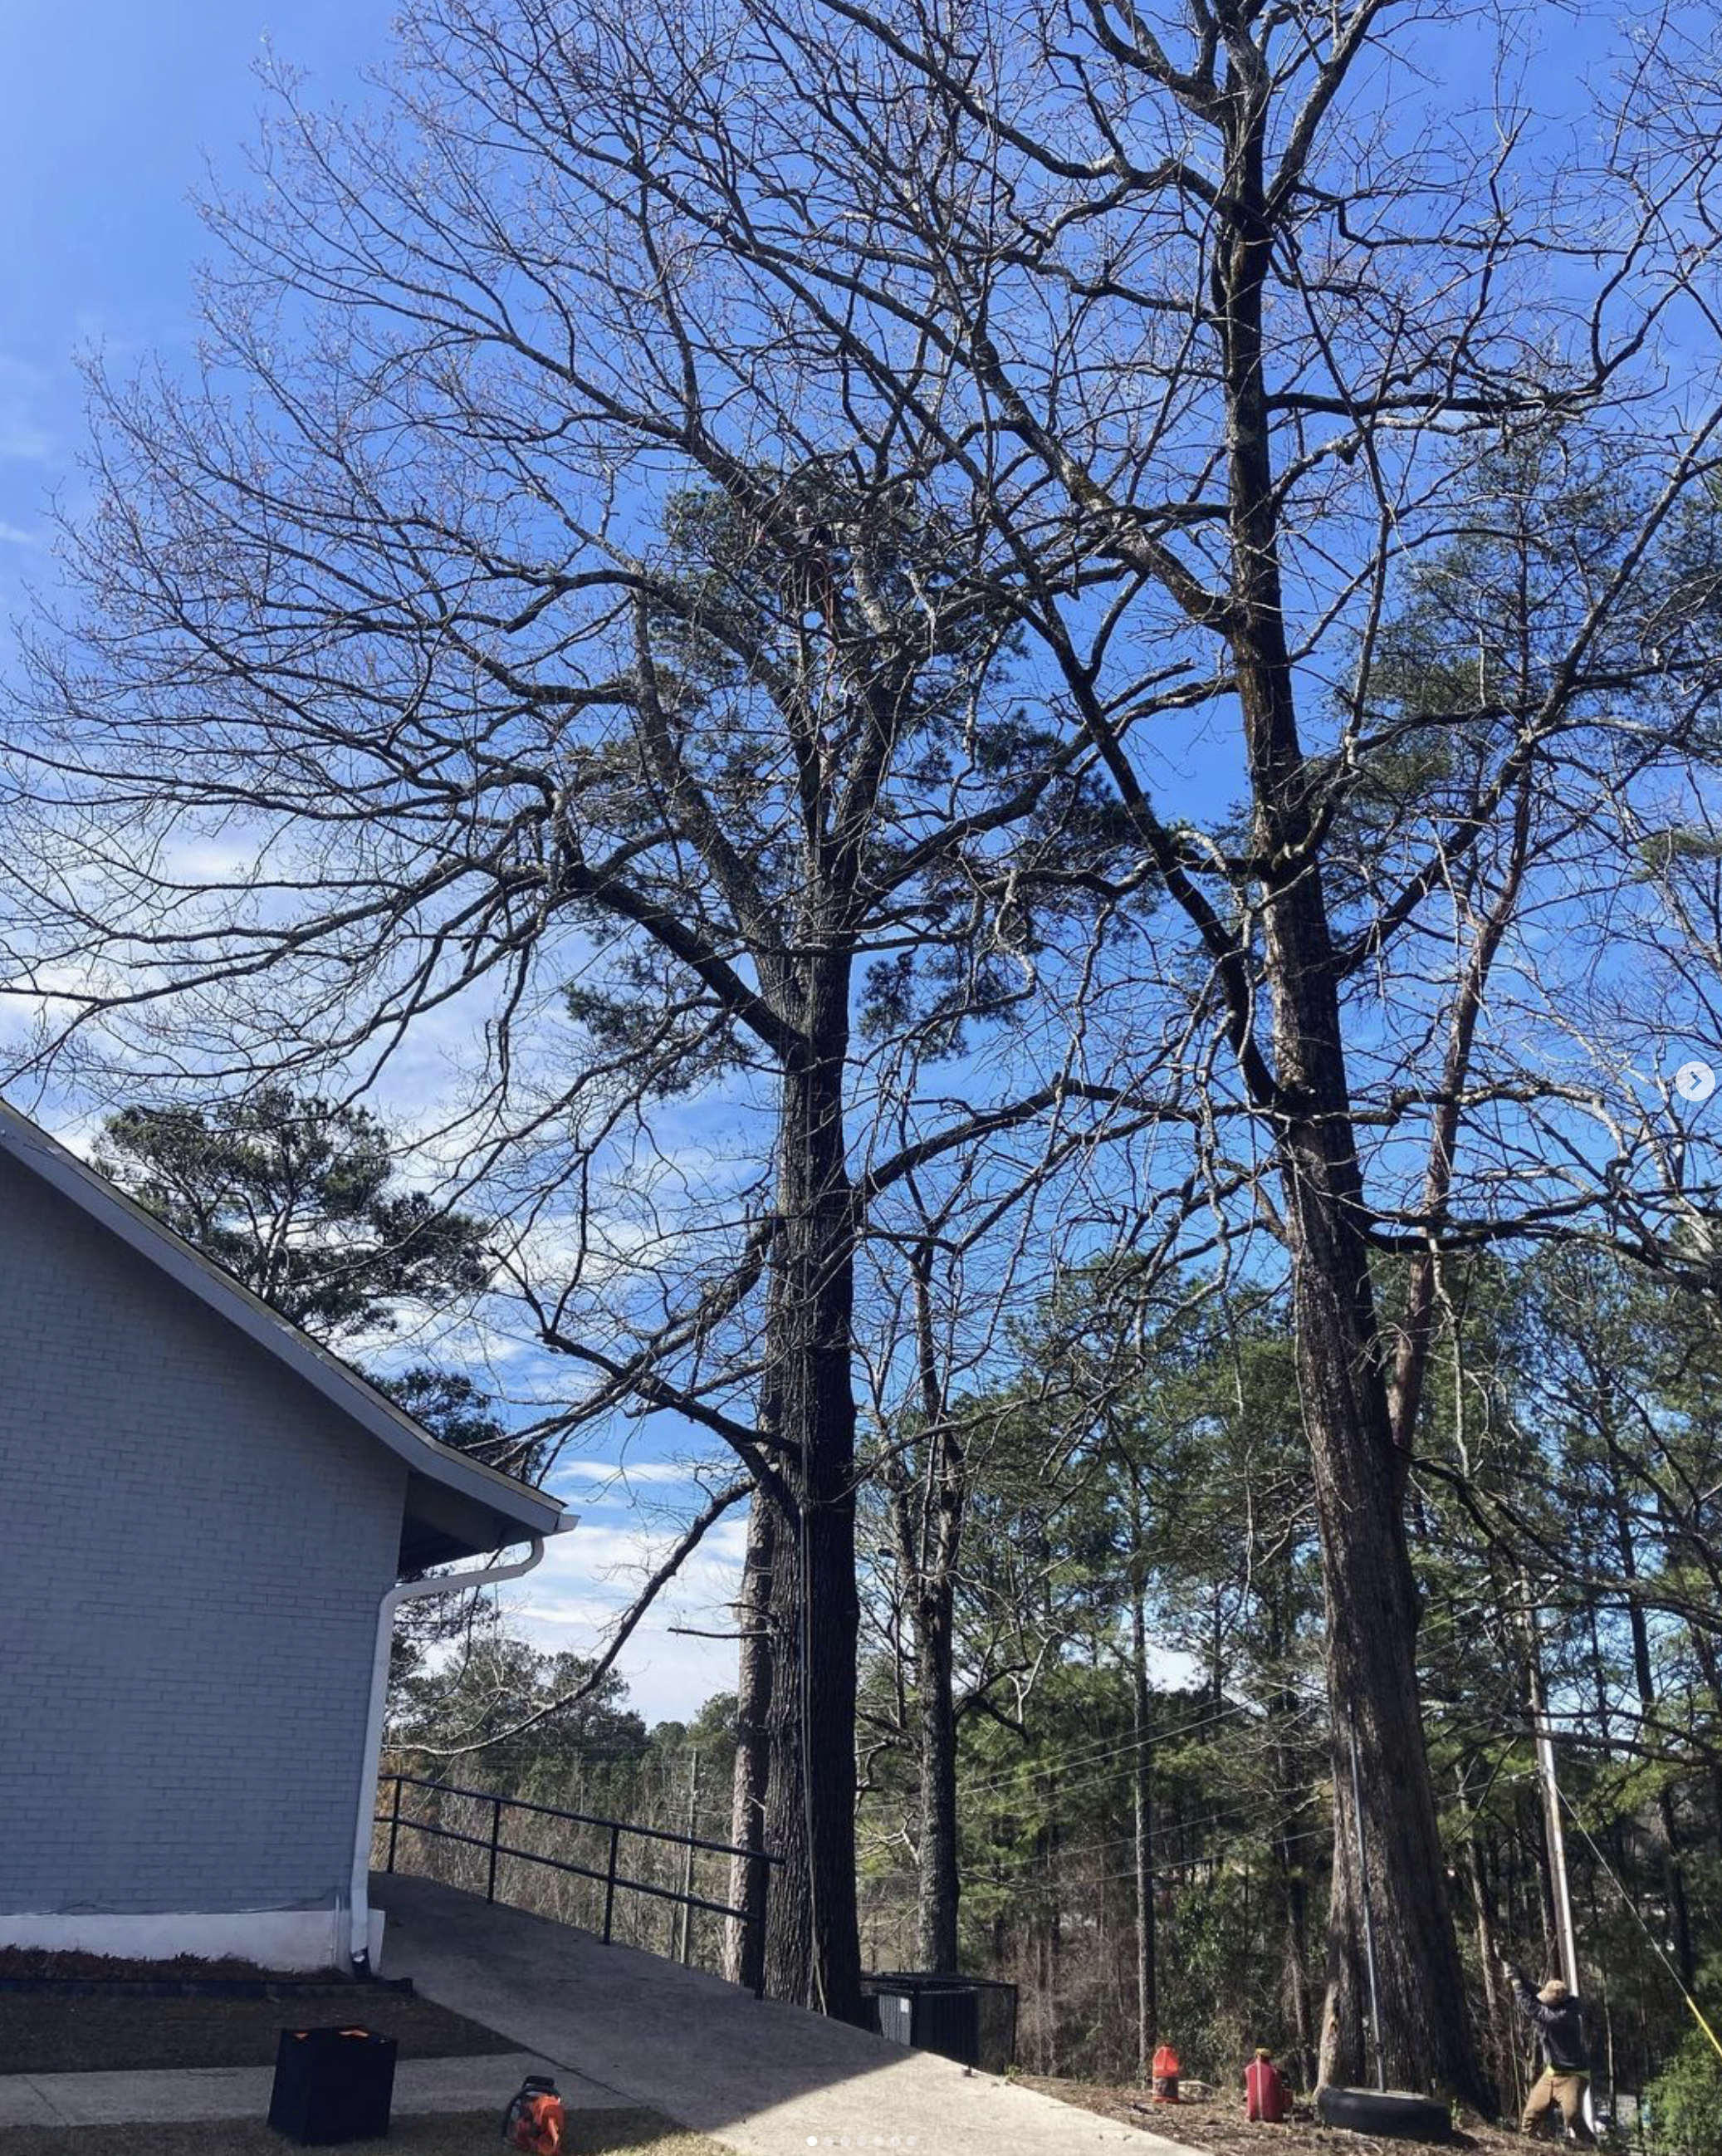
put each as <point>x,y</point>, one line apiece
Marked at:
<point>370,1759</point>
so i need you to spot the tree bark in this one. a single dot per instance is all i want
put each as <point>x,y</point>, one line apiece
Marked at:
<point>812,1941</point>
<point>1370,1595</point>
<point>1644,1678</point>
<point>788,1949</point>
<point>1372,1683</point>
<point>1142,1792</point>
<point>936,1901</point>
<point>745,1943</point>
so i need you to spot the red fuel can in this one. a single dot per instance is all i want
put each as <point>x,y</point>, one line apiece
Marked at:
<point>1265,2094</point>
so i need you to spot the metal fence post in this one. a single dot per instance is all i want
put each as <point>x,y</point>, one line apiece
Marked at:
<point>610,1881</point>
<point>394,1824</point>
<point>495,1836</point>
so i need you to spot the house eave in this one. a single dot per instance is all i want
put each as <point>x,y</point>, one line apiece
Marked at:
<point>516,1510</point>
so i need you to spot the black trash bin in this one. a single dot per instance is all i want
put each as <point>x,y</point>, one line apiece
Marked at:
<point>332,2084</point>
<point>896,2015</point>
<point>970,2019</point>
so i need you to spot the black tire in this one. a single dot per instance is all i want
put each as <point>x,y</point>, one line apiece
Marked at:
<point>1391,2111</point>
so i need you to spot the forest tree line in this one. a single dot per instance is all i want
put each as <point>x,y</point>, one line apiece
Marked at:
<point>1138,1748</point>
<point>1139,1704</point>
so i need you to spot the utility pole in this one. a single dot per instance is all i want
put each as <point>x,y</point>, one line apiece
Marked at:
<point>687,1908</point>
<point>1566,1937</point>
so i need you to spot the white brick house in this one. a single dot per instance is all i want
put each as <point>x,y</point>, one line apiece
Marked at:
<point>203,1516</point>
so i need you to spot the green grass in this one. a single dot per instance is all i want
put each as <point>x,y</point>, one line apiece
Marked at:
<point>462,2134</point>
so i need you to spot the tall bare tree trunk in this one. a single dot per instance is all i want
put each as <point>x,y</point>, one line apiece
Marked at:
<point>1291,1803</point>
<point>930,1547</point>
<point>1147,1991</point>
<point>1371,1606</point>
<point>744,1942</point>
<point>1142,1794</point>
<point>1500,2012</point>
<point>936,1899</point>
<point>1370,1595</point>
<point>1644,1679</point>
<point>812,1941</point>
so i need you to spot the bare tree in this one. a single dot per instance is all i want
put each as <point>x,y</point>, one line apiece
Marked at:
<point>591,722</point>
<point>1039,375</point>
<point>1214,345</point>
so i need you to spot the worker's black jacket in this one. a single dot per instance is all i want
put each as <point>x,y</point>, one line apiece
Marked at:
<point>1560,2030</point>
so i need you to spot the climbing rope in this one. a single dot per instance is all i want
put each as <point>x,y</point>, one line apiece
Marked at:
<point>1632,1908</point>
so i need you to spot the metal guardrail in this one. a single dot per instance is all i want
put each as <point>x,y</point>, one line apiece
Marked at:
<point>395,1819</point>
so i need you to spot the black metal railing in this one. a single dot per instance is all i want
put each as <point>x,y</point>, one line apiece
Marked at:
<point>609,1878</point>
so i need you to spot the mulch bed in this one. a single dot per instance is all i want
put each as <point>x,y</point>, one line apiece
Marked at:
<point>45,1961</point>
<point>1218,2124</point>
<point>41,2034</point>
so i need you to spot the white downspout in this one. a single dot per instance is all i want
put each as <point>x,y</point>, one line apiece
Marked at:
<point>371,1759</point>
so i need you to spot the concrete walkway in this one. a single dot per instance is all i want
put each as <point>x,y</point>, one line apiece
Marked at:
<point>480,2084</point>
<point>769,2079</point>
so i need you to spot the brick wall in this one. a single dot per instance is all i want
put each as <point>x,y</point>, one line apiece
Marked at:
<point>193,1545</point>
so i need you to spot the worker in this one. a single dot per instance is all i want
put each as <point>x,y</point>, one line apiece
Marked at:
<point>1558,2019</point>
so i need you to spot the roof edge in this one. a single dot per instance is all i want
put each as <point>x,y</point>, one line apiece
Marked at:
<point>533,1510</point>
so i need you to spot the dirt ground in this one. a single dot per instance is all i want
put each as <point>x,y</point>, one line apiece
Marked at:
<point>40,2034</point>
<point>1218,2124</point>
<point>44,2036</point>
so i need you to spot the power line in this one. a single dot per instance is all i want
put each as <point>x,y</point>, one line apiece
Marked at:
<point>900,1882</point>
<point>1166,1827</point>
<point>1102,1748</point>
<point>1308,1689</point>
<point>1190,1863</point>
<point>1061,1789</point>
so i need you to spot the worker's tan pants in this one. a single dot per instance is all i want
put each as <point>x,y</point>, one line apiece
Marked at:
<point>1568,2091</point>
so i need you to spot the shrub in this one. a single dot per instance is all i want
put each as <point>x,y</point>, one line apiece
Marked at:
<point>1685,2101</point>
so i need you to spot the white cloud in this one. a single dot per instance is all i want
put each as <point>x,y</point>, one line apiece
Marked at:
<point>571,1471</point>
<point>589,1577</point>
<point>25,438</point>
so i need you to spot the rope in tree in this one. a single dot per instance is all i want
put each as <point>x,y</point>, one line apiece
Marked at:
<point>1633,1910</point>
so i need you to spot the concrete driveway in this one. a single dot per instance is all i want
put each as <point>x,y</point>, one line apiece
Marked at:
<point>769,2079</point>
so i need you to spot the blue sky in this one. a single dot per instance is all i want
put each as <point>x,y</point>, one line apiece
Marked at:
<point>111,117</point>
